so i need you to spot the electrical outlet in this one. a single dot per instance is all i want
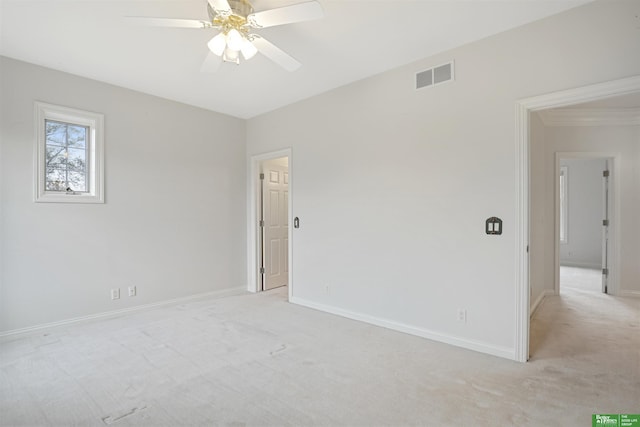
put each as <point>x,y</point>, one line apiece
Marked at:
<point>132,291</point>
<point>115,293</point>
<point>462,315</point>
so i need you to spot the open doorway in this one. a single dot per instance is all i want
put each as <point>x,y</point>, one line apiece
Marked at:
<point>527,218</point>
<point>584,212</point>
<point>269,213</point>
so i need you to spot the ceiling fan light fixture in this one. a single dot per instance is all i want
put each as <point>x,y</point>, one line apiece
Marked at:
<point>248,49</point>
<point>231,55</point>
<point>217,44</point>
<point>234,40</point>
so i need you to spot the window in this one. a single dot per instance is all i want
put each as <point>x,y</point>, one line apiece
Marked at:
<point>69,153</point>
<point>563,203</point>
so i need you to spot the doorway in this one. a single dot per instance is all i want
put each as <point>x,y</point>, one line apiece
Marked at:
<point>584,212</point>
<point>274,223</point>
<point>269,213</point>
<point>524,108</point>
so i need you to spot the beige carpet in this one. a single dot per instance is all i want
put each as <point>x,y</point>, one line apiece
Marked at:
<point>580,279</point>
<point>257,360</point>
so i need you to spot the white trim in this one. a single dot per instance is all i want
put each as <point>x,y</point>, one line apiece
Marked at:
<point>213,294</point>
<point>253,178</point>
<point>95,122</point>
<point>521,252</point>
<point>631,294</point>
<point>523,108</point>
<point>545,293</point>
<point>580,95</point>
<point>481,347</point>
<point>591,117</point>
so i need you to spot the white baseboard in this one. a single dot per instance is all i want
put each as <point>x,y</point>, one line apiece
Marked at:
<point>214,294</point>
<point>633,294</point>
<point>578,264</point>
<point>507,353</point>
<point>538,301</point>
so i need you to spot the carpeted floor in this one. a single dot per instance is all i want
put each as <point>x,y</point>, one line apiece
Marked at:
<point>580,279</point>
<point>255,360</point>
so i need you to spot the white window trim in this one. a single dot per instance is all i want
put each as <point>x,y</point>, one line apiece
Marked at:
<point>564,205</point>
<point>95,122</point>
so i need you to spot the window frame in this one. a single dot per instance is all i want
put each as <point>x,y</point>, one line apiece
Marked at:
<point>95,147</point>
<point>563,199</point>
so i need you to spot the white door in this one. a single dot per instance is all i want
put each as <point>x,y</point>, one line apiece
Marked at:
<point>275,197</point>
<point>605,230</point>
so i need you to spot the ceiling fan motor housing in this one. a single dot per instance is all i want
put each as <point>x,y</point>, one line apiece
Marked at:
<point>241,8</point>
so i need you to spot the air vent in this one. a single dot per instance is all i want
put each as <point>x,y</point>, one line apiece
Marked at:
<point>436,75</point>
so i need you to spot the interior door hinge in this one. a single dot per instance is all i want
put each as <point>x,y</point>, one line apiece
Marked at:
<point>262,176</point>
<point>261,270</point>
<point>261,223</point>
<point>605,222</point>
<point>605,271</point>
<point>605,173</point>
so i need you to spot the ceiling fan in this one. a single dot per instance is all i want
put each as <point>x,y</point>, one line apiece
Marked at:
<point>235,19</point>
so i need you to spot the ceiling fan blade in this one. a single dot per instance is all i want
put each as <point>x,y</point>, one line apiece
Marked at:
<point>169,22</point>
<point>220,6</point>
<point>275,54</point>
<point>286,15</point>
<point>211,63</point>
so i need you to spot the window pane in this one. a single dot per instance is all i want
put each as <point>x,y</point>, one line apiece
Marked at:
<point>77,136</point>
<point>55,155</point>
<point>55,186</point>
<point>56,174</point>
<point>56,179</point>
<point>77,181</point>
<point>66,156</point>
<point>76,159</point>
<point>55,132</point>
<point>563,203</point>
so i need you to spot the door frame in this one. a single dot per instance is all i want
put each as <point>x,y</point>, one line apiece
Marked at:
<point>253,240</point>
<point>613,164</point>
<point>524,108</point>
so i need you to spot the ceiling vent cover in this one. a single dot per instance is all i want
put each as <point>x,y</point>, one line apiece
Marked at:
<point>436,75</point>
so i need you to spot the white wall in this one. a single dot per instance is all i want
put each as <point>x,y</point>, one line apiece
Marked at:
<point>542,261</point>
<point>584,213</point>
<point>173,223</point>
<point>393,185</point>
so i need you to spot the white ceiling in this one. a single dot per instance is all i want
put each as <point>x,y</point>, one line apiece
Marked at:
<point>356,39</point>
